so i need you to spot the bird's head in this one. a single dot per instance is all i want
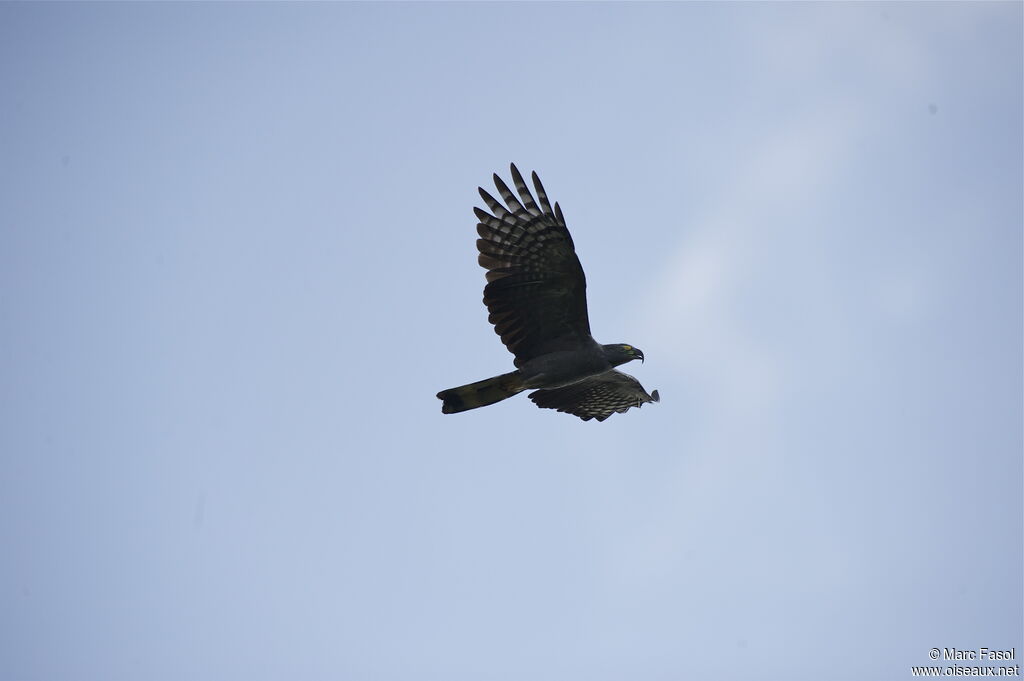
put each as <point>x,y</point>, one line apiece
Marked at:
<point>620,353</point>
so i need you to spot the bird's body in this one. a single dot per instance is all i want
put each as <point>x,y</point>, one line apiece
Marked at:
<point>564,367</point>
<point>536,295</point>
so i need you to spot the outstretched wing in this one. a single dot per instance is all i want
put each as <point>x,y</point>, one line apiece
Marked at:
<point>597,397</point>
<point>536,291</point>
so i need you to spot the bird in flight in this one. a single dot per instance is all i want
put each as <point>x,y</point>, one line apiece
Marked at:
<point>536,294</point>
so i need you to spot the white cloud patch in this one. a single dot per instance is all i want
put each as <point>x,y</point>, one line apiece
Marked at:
<point>762,252</point>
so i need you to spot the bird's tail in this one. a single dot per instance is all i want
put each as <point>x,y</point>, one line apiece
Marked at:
<point>481,393</point>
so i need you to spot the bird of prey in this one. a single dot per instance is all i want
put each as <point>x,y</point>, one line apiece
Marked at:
<point>536,294</point>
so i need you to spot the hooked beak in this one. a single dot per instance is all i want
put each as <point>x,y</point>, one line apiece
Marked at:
<point>639,355</point>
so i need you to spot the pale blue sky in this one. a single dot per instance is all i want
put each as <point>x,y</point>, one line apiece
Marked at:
<point>237,262</point>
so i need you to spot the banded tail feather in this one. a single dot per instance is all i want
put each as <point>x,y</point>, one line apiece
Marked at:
<point>481,393</point>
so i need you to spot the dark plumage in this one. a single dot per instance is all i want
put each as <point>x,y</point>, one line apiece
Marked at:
<point>536,293</point>
<point>597,397</point>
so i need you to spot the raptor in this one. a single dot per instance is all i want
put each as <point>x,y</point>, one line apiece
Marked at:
<point>536,294</point>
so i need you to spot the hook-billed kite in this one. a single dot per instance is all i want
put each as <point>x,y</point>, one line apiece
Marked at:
<point>537,296</point>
